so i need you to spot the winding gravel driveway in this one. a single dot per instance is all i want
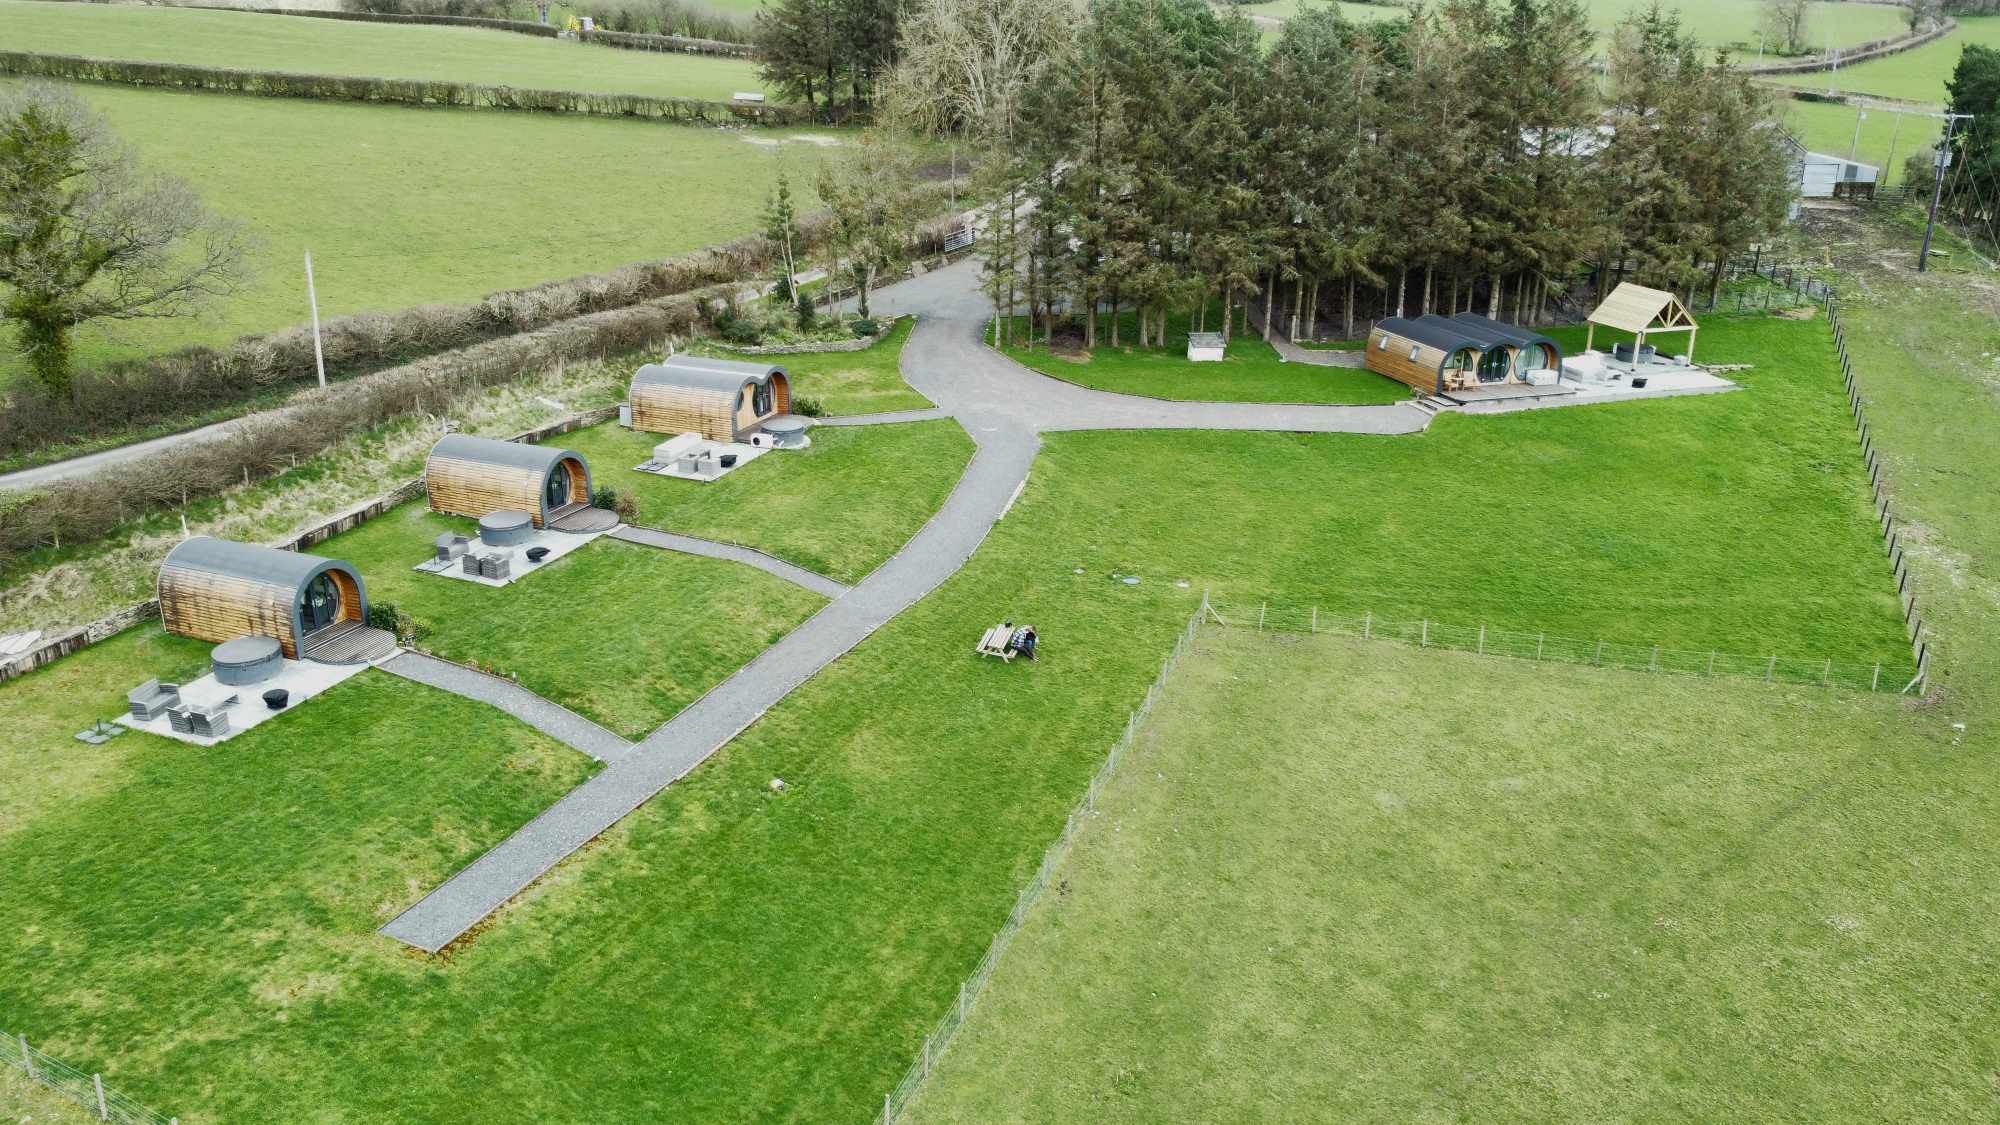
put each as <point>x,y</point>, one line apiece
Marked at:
<point>1004,407</point>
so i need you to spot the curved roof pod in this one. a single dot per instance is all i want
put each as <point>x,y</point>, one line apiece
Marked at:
<point>1417,351</point>
<point>472,476</point>
<point>1512,334</point>
<point>720,399</point>
<point>219,590</point>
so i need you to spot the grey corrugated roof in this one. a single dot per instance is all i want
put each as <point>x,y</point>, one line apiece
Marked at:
<point>1500,330</point>
<point>491,451</point>
<point>249,561</point>
<point>1436,331</point>
<point>704,372</point>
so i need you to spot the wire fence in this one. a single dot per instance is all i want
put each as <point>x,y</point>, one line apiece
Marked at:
<point>1484,640</point>
<point>1885,513</point>
<point>86,1090</point>
<point>898,1099</point>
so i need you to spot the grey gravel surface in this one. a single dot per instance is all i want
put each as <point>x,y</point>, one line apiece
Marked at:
<point>558,722</point>
<point>709,548</point>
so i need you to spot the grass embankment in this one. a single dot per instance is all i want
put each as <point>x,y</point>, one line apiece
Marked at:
<point>1250,370</point>
<point>250,41</point>
<point>1916,75</point>
<point>869,381</point>
<point>1350,880</point>
<point>402,207</point>
<point>923,783</point>
<point>622,634</point>
<point>840,508</point>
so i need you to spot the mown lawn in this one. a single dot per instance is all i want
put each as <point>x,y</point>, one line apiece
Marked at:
<point>1250,370</point>
<point>840,507</point>
<point>815,934</point>
<point>1718,23</point>
<point>622,634</point>
<point>869,381</point>
<point>234,888</point>
<point>1342,880</point>
<point>301,45</point>
<point>403,206</point>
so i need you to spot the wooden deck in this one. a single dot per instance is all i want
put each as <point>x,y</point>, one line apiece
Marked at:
<point>581,519</point>
<point>348,642</point>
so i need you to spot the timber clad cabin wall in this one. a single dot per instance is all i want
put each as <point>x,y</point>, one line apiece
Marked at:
<point>676,410</point>
<point>463,486</point>
<point>1395,362</point>
<point>220,607</point>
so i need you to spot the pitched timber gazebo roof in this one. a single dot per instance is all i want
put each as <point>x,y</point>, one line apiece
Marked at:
<point>1642,311</point>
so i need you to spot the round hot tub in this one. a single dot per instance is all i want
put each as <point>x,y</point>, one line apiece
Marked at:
<point>788,431</point>
<point>506,528</point>
<point>247,660</point>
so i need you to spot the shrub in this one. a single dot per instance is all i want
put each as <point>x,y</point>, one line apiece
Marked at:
<point>604,497</point>
<point>807,407</point>
<point>627,507</point>
<point>390,618</point>
<point>807,312</point>
<point>865,326</point>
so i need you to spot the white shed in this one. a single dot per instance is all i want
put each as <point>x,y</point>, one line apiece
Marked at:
<point>1205,347</point>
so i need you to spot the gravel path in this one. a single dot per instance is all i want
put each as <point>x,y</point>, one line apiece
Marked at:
<point>559,723</point>
<point>708,548</point>
<point>1004,407</point>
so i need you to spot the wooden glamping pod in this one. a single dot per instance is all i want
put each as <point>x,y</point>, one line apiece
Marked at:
<point>218,590</point>
<point>720,399</point>
<point>475,476</point>
<point>1435,354</point>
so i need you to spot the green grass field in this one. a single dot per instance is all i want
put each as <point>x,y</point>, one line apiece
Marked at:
<point>840,508</point>
<point>1719,23</point>
<point>622,634</point>
<point>923,783</point>
<point>1917,75</point>
<point>406,206</point>
<point>249,41</point>
<point>1342,880</point>
<point>1250,371</point>
<point>1883,141</point>
<point>869,381</point>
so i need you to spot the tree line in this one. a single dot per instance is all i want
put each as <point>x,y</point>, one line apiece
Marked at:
<point>1151,155</point>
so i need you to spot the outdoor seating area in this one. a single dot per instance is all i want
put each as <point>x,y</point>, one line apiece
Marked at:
<point>691,456</point>
<point>508,547</point>
<point>252,683</point>
<point>1007,641</point>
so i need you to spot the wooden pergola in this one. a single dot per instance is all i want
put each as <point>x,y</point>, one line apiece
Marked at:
<point>1640,311</point>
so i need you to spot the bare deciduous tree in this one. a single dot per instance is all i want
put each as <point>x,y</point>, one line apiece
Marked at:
<point>1785,20</point>
<point>86,236</point>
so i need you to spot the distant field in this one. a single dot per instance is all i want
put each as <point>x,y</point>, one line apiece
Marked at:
<point>316,46</point>
<point>1349,881</point>
<point>405,206</point>
<point>1719,23</point>
<point>1826,127</point>
<point>1917,75</point>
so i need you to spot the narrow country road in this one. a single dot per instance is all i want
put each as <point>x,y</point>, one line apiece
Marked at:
<point>1004,407</point>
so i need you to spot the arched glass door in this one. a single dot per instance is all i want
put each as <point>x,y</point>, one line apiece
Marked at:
<point>319,606</point>
<point>1493,365</point>
<point>761,400</point>
<point>557,492</point>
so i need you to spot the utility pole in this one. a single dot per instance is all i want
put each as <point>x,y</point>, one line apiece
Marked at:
<point>1943,161</point>
<point>312,298</point>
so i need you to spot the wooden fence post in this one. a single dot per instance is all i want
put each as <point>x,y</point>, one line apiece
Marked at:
<point>1539,638</point>
<point>1875,681</point>
<point>1482,640</point>
<point>1426,642</point>
<point>1653,665</point>
<point>1771,669</point>
<point>1711,662</point>
<point>27,1057</point>
<point>1826,678</point>
<point>1261,607</point>
<point>1598,657</point>
<point>103,1111</point>
<point>1315,620</point>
